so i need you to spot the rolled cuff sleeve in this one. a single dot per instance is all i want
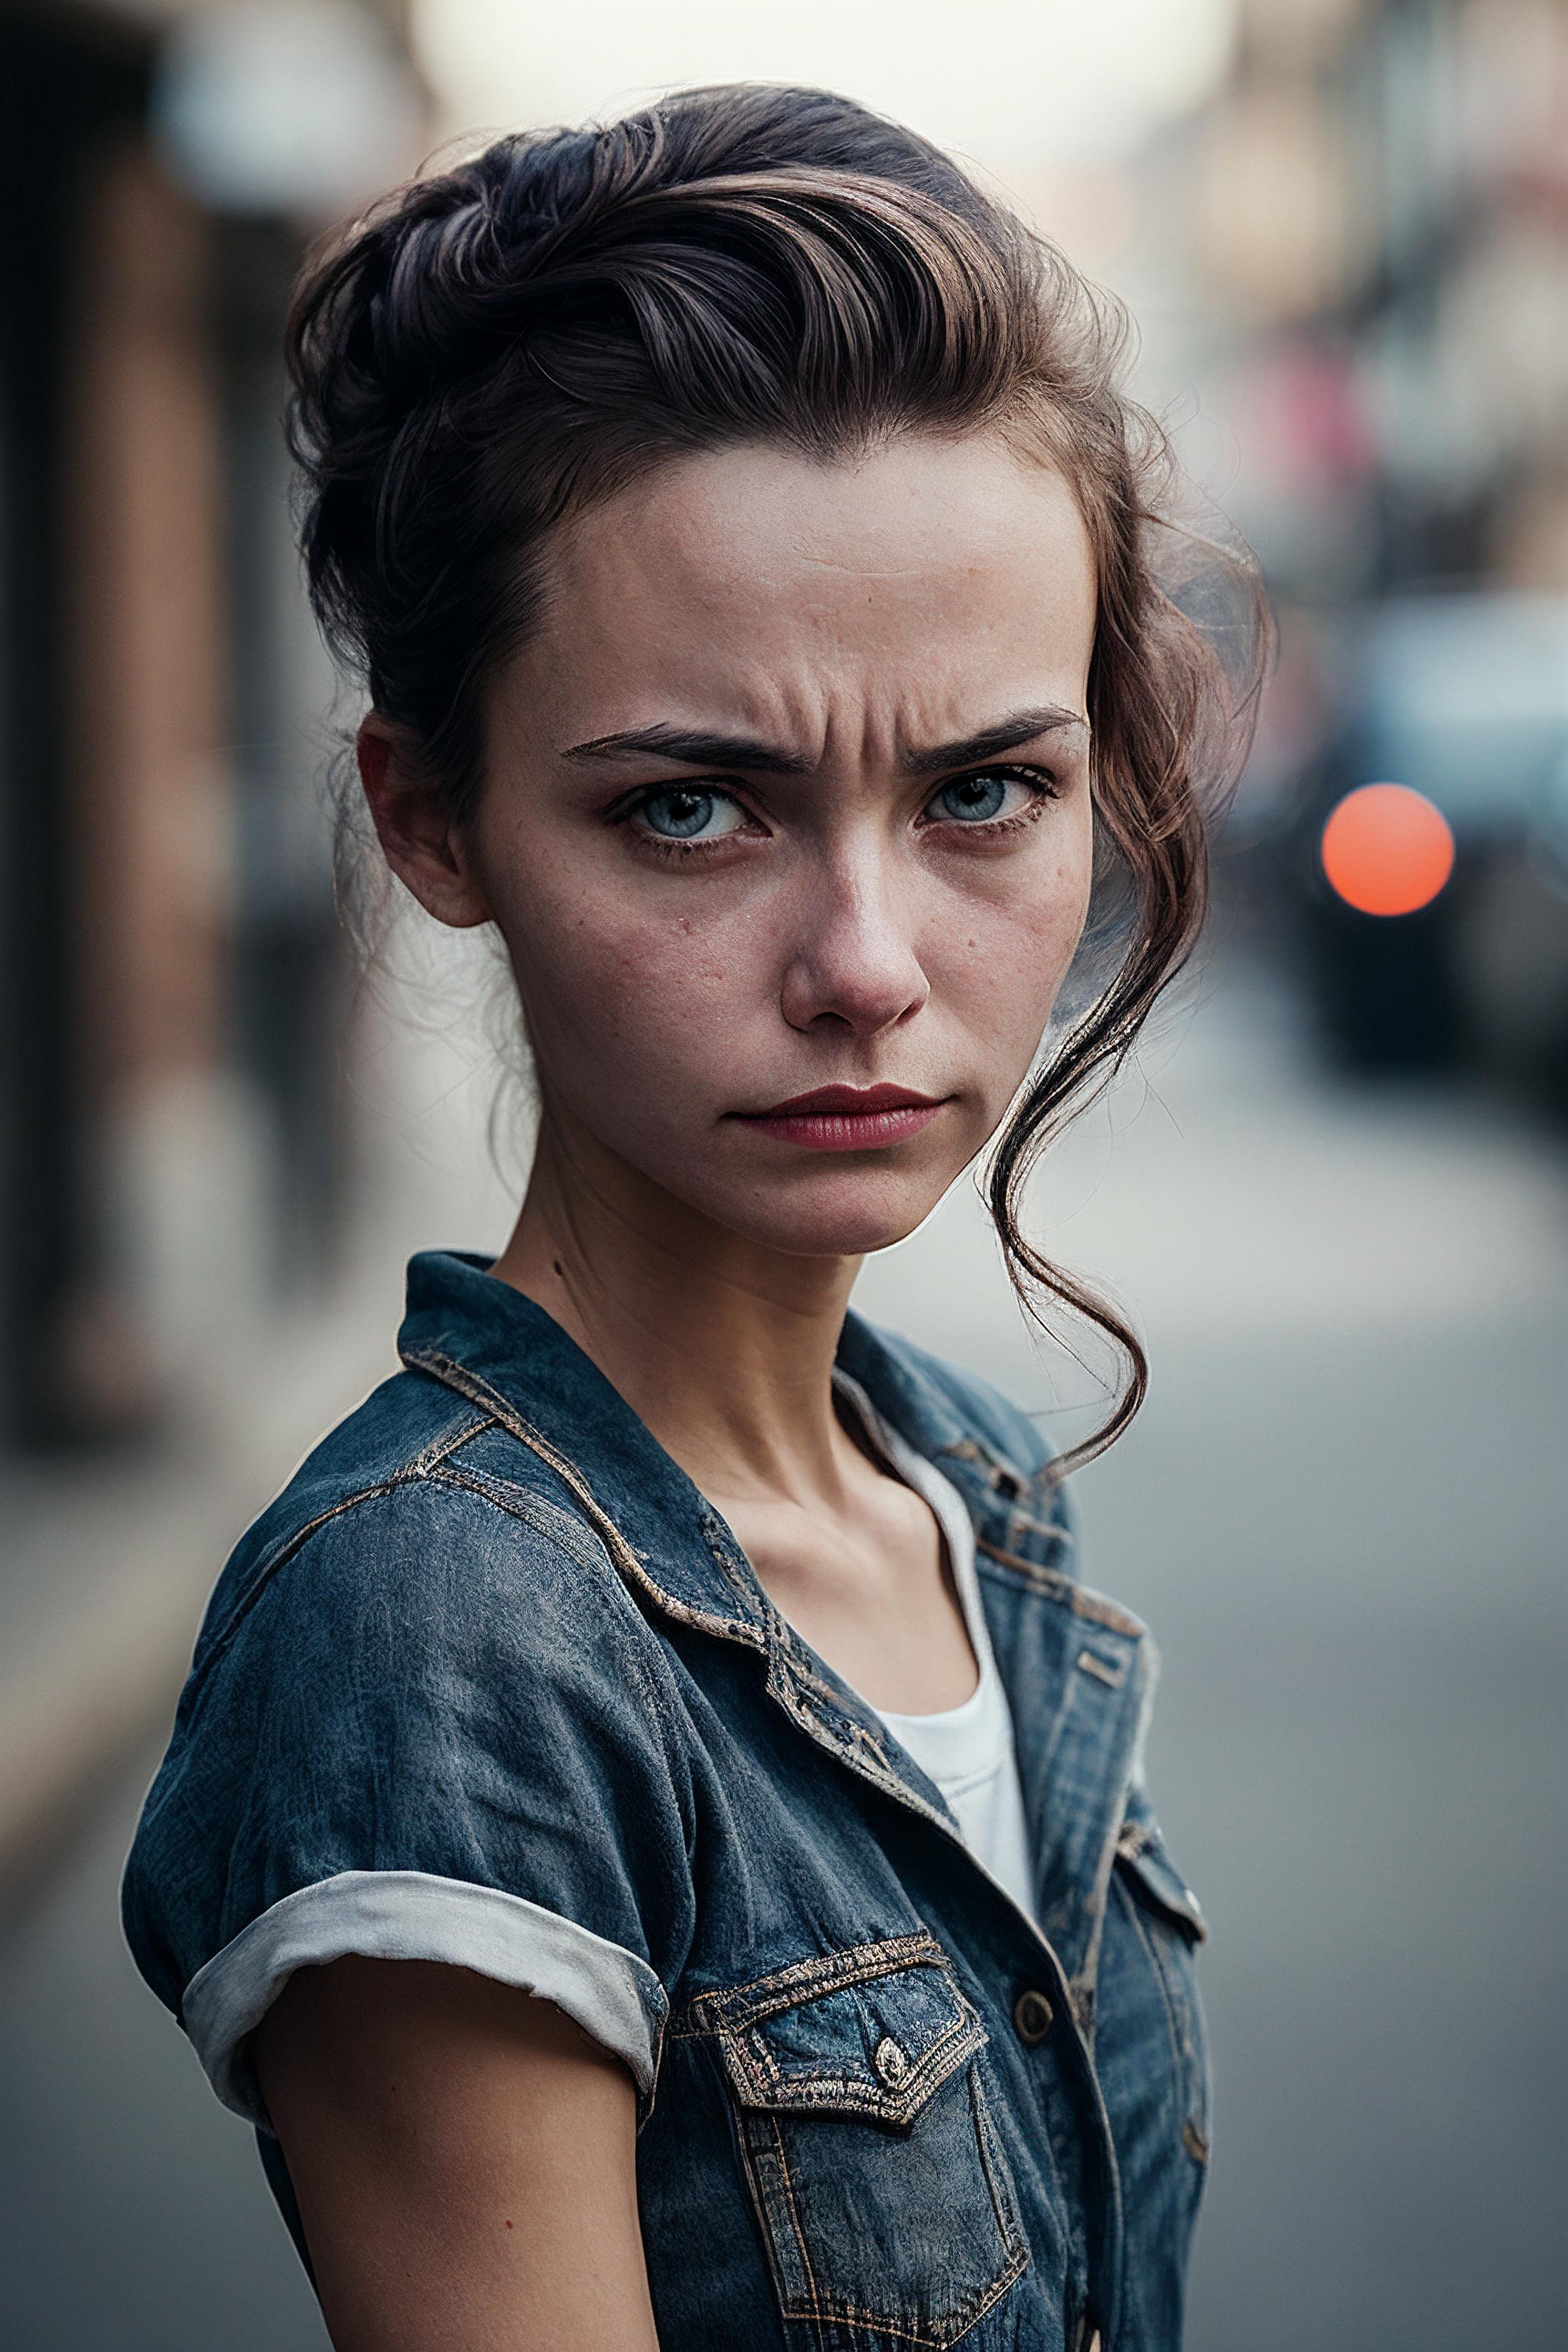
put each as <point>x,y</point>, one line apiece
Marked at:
<point>434,1733</point>
<point>409,1914</point>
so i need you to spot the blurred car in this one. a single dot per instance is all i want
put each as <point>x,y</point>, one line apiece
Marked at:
<point>1464,698</point>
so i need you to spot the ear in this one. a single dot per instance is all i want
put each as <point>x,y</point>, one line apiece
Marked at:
<point>415,826</point>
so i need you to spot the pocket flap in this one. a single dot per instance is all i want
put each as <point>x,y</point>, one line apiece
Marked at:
<point>873,2032</point>
<point>1141,1855</point>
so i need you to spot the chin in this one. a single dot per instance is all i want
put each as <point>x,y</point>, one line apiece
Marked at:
<point>834,1214</point>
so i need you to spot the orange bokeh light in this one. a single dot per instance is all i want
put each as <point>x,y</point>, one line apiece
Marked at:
<point>1386,850</point>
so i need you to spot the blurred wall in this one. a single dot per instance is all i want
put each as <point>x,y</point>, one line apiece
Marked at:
<point>1345,220</point>
<point>173,972</point>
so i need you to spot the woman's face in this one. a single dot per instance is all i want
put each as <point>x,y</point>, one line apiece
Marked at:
<point>790,793</point>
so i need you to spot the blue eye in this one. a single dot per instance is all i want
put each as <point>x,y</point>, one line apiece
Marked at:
<point>982,798</point>
<point>687,813</point>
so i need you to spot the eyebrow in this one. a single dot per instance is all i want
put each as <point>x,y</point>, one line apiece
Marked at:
<point>694,749</point>
<point>1006,735</point>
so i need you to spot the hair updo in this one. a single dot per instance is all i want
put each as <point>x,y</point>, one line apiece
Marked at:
<point>493,349</point>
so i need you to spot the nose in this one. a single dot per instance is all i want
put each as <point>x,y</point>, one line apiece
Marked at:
<point>852,959</point>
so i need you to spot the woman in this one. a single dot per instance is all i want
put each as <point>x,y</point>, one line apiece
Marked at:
<point>653,1836</point>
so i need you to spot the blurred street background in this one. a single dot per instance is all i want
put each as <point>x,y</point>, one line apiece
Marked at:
<point>1332,1191</point>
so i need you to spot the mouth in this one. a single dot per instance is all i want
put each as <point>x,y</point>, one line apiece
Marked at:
<point>847,1118</point>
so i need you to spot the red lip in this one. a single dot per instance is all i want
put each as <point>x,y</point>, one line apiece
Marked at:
<point>847,1118</point>
<point>847,1102</point>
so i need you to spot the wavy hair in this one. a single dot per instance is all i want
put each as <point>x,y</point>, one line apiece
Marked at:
<point>495,348</point>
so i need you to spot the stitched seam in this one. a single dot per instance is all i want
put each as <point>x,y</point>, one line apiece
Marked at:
<point>463,1432</point>
<point>446,1369</point>
<point>860,1756</point>
<point>1008,2228</point>
<point>1054,1583</point>
<point>286,1553</point>
<point>931,2055</point>
<point>788,2179</point>
<point>435,1450</point>
<point>962,2320</point>
<point>1183,2058</point>
<point>1057,1586</point>
<point>1008,1484</point>
<point>751,2127</point>
<point>660,1700</point>
<point>964,2316</point>
<point>715,1539</point>
<point>516,1501</point>
<point>969,1449</point>
<point>794,2094</point>
<point>831,1972</point>
<point>645,2098</point>
<point>820,2309</point>
<point>809,1679</point>
<point>1098,1901</point>
<point>300,1536</point>
<point>997,1467</point>
<point>1193,1929</point>
<point>1142,1932</point>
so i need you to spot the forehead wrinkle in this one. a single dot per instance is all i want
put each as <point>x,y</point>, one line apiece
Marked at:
<point>847,569</point>
<point>860,724</point>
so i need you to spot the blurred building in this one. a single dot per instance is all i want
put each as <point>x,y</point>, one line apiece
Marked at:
<point>169,1011</point>
<point>1376,208</point>
<point>1357,242</point>
<point>1369,225</point>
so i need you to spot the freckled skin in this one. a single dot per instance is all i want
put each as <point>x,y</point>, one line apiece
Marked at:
<point>847,613</point>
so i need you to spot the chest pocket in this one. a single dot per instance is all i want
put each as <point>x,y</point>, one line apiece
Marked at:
<point>882,2191</point>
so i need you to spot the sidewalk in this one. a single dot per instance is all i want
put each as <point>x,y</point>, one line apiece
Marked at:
<point>108,1564</point>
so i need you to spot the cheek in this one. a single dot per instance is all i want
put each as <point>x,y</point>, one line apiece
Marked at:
<point>1002,958</point>
<point>627,1005</point>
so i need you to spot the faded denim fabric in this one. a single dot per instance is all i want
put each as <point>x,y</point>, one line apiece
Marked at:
<point>492,1635</point>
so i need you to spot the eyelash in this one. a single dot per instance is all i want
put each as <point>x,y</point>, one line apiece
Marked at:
<point>1040,782</point>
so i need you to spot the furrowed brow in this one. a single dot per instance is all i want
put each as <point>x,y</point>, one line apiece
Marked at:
<point>693,749</point>
<point>1022,726</point>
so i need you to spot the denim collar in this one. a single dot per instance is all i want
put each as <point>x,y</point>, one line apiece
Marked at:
<point>513,1360</point>
<point>1082,1728</point>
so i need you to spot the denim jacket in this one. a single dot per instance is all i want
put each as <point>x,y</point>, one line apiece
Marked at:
<point>491,1681</point>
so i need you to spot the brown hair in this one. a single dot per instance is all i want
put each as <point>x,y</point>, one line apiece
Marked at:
<point>493,348</point>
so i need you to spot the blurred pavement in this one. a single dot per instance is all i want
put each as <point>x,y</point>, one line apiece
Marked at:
<point>1341,1511</point>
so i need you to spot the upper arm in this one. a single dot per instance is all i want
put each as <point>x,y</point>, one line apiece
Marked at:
<point>463,2159</point>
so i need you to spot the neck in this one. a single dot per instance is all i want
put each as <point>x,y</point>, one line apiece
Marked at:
<point>722,1346</point>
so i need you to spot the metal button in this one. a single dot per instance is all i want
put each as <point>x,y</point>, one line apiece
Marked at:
<point>891,2064</point>
<point>1033,2016</point>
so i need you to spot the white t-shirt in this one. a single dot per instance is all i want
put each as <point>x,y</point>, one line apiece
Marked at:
<point>968,1750</point>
